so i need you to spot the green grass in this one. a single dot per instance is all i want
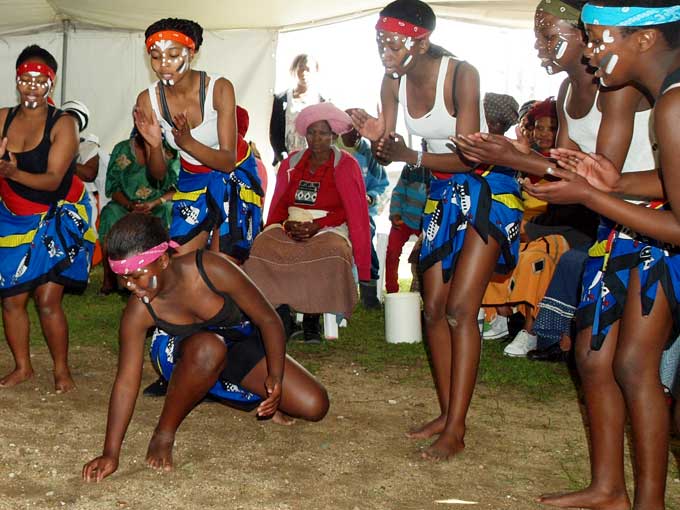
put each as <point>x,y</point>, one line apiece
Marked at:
<point>363,342</point>
<point>93,320</point>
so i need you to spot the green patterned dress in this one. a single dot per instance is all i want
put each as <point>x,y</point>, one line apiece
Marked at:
<point>126,175</point>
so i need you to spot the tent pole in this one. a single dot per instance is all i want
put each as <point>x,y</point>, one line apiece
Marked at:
<point>64,52</point>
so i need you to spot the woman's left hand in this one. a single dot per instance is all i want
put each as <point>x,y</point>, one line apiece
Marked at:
<point>301,230</point>
<point>182,130</point>
<point>268,407</point>
<point>7,168</point>
<point>393,148</point>
<point>571,188</point>
<point>145,207</point>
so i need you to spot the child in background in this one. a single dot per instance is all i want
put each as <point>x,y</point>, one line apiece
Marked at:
<point>406,211</point>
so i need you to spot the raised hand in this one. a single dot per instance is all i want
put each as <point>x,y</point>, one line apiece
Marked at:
<point>392,148</point>
<point>269,406</point>
<point>182,130</point>
<point>368,126</point>
<point>149,128</point>
<point>594,168</point>
<point>98,469</point>
<point>8,168</point>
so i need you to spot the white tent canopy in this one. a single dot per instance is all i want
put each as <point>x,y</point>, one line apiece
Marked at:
<point>100,46</point>
<point>232,14</point>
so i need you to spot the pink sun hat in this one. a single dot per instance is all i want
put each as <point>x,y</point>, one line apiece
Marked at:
<point>338,120</point>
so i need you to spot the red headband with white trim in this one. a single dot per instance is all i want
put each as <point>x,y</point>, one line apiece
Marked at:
<point>36,67</point>
<point>402,27</point>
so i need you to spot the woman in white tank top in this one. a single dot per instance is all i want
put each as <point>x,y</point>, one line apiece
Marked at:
<point>466,233</point>
<point>637,300</point>
<point>196,114</point>
<point>592,119</point>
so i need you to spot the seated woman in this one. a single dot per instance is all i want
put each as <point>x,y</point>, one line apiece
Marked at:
<point>201,298</point>
<point>318,220</point>
<point>131,188</point>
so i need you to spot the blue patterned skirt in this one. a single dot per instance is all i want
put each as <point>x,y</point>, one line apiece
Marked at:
<point>53,246</point>
<point>164,353</point>
<point>490,201</point>
<point>616,253</point>
<point>230,202</point>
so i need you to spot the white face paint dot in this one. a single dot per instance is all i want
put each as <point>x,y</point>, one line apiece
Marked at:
<point>602,47</point>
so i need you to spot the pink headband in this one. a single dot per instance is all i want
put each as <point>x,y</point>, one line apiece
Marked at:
<point>131,264</point>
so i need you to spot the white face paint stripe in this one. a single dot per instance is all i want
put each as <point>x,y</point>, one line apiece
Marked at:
<point>408,43</point>
<point>607,36</point>
<point>162,45</point>
<point>407,61</point>
<point>561,48</point>
<point>612,63</point>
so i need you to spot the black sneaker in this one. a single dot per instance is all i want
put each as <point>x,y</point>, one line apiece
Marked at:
<point>286,315</point>
<point>156,389</point>
<point>368,292</point>
<point>311,328</point>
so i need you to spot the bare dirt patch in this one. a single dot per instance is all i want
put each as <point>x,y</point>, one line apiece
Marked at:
<point>356,458</point>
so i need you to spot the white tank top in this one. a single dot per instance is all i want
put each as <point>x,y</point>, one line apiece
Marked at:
<point>205,132</point>
<point>437,125</point>
<point>641,155</point>
<point>583,131</point>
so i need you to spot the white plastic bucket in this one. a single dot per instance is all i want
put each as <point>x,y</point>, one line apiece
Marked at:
<point>402,318</point>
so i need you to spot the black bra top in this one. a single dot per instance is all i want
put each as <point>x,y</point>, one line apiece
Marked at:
<point>671,79</point>
<point>35,160</point>
<point>230,315</point>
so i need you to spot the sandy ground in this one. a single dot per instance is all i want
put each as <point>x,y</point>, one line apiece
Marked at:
<point>356,458</point>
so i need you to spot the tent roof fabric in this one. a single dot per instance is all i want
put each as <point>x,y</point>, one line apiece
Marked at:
<point>231,14</point>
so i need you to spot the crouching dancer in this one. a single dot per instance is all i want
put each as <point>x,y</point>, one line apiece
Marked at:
<point>202,299</point>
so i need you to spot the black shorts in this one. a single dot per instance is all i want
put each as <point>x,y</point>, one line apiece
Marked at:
<point>242,356</point>
<point>244,351</point>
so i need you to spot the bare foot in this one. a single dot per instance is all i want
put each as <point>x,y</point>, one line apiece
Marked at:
<point>16,377</point>
<point>282,419</point>
<point>63,382</point>
<point>591,498</point>
<point>427,430</point>
<point>443,448</point>
<point>159,453</point>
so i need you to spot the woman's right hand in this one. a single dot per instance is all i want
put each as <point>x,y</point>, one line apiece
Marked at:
<point>368,126</point>
<point>600,173</point>
<point>301,230</point>
<point>98,469</point>
<point>486,148</point>
<point>149,128</point>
